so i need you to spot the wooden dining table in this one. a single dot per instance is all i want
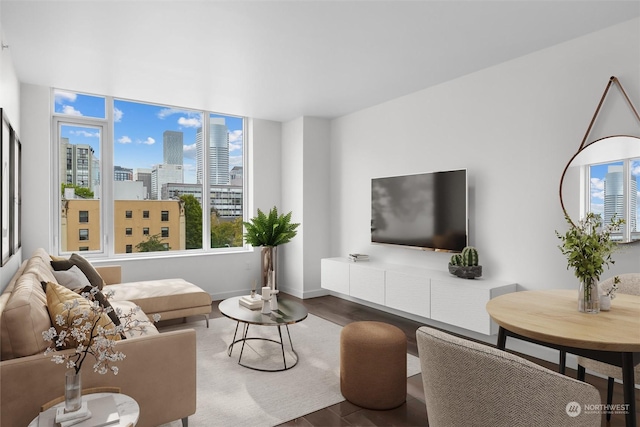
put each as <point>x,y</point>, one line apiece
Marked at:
<point>551,318</point>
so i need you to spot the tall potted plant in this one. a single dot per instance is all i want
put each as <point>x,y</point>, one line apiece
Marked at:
<point>588,248</point>
<point>269,231</point>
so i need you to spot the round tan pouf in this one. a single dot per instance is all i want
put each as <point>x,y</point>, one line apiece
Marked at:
<point>373,365</point>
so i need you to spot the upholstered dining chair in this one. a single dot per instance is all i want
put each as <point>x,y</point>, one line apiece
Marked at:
<point>629,284</point>
<point>469,383</point>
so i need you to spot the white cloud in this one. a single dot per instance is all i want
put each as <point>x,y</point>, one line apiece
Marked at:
<point>189,151</point>
<point>235,161</point>
<point>68,109</point>
<point>190,122</point>
<point>62,96</point>
<point>85,134</point>
<point>117,114</point>
<point>148,141</point>
<point>166,112</point>
<point>124,140</point>
<point>235,140</point>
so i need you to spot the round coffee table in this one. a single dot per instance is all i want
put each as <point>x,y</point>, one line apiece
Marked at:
<point>288,313</point>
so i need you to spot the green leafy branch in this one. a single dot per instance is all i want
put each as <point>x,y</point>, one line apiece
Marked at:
<point>271,229</point>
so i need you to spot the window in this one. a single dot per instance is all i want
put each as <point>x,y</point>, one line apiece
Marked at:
<point>145,231</point>
<point>83,216</point>
<point>83,248</point>
<point>128,231</point>
<point>164,231</point>
<point>181,168</point>
<point>83,234</point>
<point>129,249</point>
<point>613,191</point>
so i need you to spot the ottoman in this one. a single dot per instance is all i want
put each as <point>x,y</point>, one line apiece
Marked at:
<point>373,365</point>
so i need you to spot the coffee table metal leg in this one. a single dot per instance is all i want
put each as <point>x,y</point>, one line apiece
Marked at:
<point>244,340</point>
<point>284,359</point>
<point>233,341</point>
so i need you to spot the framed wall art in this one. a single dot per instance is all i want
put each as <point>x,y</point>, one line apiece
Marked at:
<point>10,174</point>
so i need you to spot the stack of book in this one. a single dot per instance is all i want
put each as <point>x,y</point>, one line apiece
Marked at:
<point>358,257</point>
<point>251,302</point>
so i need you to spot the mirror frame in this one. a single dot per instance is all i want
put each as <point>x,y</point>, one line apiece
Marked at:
<point>568,165</point>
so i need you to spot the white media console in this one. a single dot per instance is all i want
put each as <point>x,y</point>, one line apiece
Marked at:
<point>431,294</point>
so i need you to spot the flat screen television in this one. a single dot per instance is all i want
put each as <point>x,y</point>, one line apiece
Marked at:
<point>426,210</point>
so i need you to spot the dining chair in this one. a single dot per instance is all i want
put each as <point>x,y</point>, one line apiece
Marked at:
<point>470,383</point>
<point>629,284</point>
<point>85,391</point>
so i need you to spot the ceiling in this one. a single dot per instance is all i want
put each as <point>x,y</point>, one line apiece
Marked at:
<point>280,60</point>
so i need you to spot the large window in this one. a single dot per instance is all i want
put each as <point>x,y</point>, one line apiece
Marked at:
<point>613,191</point>
<point>138,169</point>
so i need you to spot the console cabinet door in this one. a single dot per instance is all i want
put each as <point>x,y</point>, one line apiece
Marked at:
<point>462,304</point>
<point>367,282</point>
<point>334,275</point>
<point>408,292</point>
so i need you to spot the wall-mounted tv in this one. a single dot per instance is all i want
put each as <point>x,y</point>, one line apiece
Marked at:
<point>427,210</point>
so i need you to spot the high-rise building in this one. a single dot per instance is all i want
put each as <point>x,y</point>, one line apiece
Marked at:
<point>172,147</point>
<point>164,174</point>
<point>77,164</point>
<point>614,203</point>
<point>144,175</point>
<point>122,174</point>
<point>218,152</point>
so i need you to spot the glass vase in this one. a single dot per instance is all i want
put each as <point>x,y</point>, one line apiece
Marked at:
<point>589,296</point>
<point>72,391</point>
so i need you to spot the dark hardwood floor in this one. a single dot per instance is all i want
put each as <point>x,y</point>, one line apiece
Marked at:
<point>413,412</point>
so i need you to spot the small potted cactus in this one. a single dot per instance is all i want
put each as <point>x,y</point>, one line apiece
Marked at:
<point>465,264</point>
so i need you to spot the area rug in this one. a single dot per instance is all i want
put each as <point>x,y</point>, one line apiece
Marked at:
<point>232,395</point>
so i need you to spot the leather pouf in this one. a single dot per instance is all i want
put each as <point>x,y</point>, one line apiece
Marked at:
<point>373,365</point>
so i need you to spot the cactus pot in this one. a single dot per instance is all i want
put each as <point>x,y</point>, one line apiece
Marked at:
<point>466,272</point>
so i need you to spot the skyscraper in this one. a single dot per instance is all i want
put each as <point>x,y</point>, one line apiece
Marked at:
<point>614,197</point>
<point>218,152</point>
<point>172,147</point>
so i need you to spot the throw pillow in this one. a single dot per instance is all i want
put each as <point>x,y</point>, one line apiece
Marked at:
<point>85,266</point>
<point>72,278</point>
<point>57,296</point>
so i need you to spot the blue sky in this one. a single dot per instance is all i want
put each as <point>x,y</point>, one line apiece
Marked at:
<point>138,130</point>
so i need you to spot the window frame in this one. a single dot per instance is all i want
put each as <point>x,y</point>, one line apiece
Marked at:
<point>106,204</point>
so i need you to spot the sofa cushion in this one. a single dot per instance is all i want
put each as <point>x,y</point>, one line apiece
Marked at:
<point>39,265</point>
<point>24,318</point>
<point>69,306</point>
<point>126,307</point>
<point>157,296</point>
<point>85,266</point>
<point>95,295</point>
<point>72,278</point>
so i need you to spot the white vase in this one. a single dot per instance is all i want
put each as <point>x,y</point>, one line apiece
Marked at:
<point>605,302</point>
<point>72,390</point>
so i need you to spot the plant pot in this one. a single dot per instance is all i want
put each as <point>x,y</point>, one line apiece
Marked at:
<point>269,266</point>
<point>589,296</point>
<point>605,302</point>
<point>466,272</point>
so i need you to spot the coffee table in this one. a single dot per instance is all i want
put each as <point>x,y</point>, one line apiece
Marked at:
<point>288,313</point>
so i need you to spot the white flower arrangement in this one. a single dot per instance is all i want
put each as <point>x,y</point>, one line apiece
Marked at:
<point>611,293</point>
<point>90,338</point>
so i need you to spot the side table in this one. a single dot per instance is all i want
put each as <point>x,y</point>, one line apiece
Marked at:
<point>128,410</point>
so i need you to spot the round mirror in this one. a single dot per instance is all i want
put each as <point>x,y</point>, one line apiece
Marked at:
<point>615,159</point>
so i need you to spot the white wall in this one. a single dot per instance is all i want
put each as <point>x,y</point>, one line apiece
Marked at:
<point>513,126</point>
<point>305,192</point>
<point>220,275</point>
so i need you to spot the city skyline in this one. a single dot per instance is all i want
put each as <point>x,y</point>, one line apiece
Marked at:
<point>597,174</point>
<point>139,129</point>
